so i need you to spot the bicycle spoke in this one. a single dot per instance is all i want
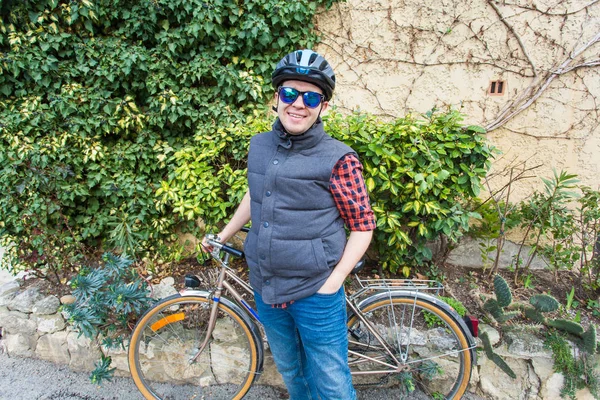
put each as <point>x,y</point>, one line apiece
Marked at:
<point>436,361</point>
<point>165,352</point>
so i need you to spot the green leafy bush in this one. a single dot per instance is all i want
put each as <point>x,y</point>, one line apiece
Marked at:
<point>420,173</point>
<point>101,101</point>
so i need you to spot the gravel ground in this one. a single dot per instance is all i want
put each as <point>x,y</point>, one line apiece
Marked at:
<point>33,379</point>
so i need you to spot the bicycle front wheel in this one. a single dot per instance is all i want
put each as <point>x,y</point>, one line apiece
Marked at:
<point>164,357</point>
<point>434,360</point>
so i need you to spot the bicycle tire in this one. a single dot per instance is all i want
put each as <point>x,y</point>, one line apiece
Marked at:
<point>438,361</point>
<point>167,337</point>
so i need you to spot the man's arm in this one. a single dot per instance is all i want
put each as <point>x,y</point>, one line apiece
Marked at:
<point>352,200</point>
<point>357,245</point>
<point>240,218</point>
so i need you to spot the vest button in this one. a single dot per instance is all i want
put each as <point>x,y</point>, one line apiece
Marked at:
<point>275,162</point>
<point>268,193</point>
<point>266,224</point>
<point>263,257</point>
<point>267,282</point>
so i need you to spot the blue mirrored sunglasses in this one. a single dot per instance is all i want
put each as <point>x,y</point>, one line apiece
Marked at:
<point>311,99</point>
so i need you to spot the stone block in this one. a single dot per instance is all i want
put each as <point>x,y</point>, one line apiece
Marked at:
<point>19,345</point>
<point>53,347</point>
<point>165,288</point>
<point>525,345</point>
<point>50,323</point>
<point>468,254</point>
<point>550,389</point>
<point>497,385</point>
<point>25,300</point>
<point>8,291</point>
<point>47,305</point>
<point>18,323</point>
<point>84,353</point>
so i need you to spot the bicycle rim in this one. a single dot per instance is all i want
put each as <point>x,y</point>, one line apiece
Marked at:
<point>430,345</point>
<point>163,352</point>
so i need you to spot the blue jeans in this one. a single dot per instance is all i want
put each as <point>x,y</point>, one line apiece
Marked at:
<point>309,342</point>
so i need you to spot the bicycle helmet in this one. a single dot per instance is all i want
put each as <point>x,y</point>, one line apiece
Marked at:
<point>305,65</point>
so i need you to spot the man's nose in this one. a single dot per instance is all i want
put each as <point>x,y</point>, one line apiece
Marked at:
<point>299,102</point>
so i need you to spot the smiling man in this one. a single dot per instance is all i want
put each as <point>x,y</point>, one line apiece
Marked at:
<point>304,188</point>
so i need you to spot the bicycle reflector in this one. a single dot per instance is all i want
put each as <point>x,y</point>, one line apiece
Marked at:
<point>161,323</point>
<point>473,324</point>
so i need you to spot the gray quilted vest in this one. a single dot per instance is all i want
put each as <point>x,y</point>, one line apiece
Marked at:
<point>297,233</point>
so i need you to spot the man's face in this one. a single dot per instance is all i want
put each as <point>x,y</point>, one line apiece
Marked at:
<point>296,117</point>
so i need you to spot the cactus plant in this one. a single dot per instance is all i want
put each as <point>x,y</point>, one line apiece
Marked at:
<point>503,294</point>
<point>567,326</point>
<point>534,315</point>
<point>544,303</point>
<point>495,358</point>
<point>589,340</point>
<point>491,306</point>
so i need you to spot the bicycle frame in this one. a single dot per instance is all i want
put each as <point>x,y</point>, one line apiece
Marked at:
<point>380,287</point>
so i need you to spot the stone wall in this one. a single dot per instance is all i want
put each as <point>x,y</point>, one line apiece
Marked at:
<point>32,325</point>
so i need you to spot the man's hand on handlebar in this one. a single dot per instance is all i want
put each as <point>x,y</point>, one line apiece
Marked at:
<point>206,246</point>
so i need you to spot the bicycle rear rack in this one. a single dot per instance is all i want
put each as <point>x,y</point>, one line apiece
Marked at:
<point>414,285</point>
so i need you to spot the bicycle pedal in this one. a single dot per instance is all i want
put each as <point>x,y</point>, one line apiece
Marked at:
<point>191,281</point>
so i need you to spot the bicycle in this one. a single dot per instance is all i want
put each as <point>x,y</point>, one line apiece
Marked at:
<point>201,344</point>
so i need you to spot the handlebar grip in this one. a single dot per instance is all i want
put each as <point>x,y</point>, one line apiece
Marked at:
<point>232,251</point>
<point>245,229</point>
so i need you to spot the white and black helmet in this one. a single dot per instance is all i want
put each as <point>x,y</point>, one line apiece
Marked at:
<point>305,65</point>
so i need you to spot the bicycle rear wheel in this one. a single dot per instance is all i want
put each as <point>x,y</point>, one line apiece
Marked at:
<point>433,350</point>
<point>163,351</point>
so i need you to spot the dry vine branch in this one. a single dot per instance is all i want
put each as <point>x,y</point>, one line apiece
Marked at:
<point>538,86</point>
<point>534,8</point>
<point>512,30</point>
<point>417,47</point>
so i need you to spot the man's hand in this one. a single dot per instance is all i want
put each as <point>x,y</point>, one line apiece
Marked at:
<point>206,247</point>
<point>358,242</point>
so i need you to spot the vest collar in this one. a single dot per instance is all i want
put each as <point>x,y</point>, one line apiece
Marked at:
<point>308,139</point>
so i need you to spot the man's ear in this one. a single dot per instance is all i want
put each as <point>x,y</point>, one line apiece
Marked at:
<point>325,106</point>
<point>276,98</point>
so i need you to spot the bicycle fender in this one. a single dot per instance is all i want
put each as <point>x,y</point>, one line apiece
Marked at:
<point>429,299</point>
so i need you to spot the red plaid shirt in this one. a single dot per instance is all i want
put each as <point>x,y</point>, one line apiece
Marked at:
<point>350,194</point>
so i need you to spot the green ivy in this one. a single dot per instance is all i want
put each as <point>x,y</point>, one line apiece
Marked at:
<point>122,119</point>
<point>101,101</point>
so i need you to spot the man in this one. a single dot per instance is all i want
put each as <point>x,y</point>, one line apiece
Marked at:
<point>303,187</point>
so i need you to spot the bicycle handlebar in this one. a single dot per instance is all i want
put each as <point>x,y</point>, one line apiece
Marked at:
<point>223,247</point>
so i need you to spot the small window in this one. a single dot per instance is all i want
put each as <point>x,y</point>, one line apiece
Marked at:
<point>497,88</point>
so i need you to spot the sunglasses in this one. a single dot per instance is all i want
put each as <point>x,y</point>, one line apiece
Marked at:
<point>289,95</point>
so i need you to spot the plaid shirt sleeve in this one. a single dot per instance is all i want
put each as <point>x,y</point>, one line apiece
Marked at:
<point>349,191</point>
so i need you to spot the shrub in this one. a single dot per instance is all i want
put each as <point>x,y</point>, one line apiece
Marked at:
<point>97,98</point>
<point>420,173</point>
<point>108,299</point>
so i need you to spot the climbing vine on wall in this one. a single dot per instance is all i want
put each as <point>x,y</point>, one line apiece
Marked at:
<point>96,98</point>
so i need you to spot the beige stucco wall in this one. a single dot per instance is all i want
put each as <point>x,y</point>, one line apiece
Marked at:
<point>394,57</point>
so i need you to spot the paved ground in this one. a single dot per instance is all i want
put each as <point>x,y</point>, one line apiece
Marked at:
<point>32,379</point>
